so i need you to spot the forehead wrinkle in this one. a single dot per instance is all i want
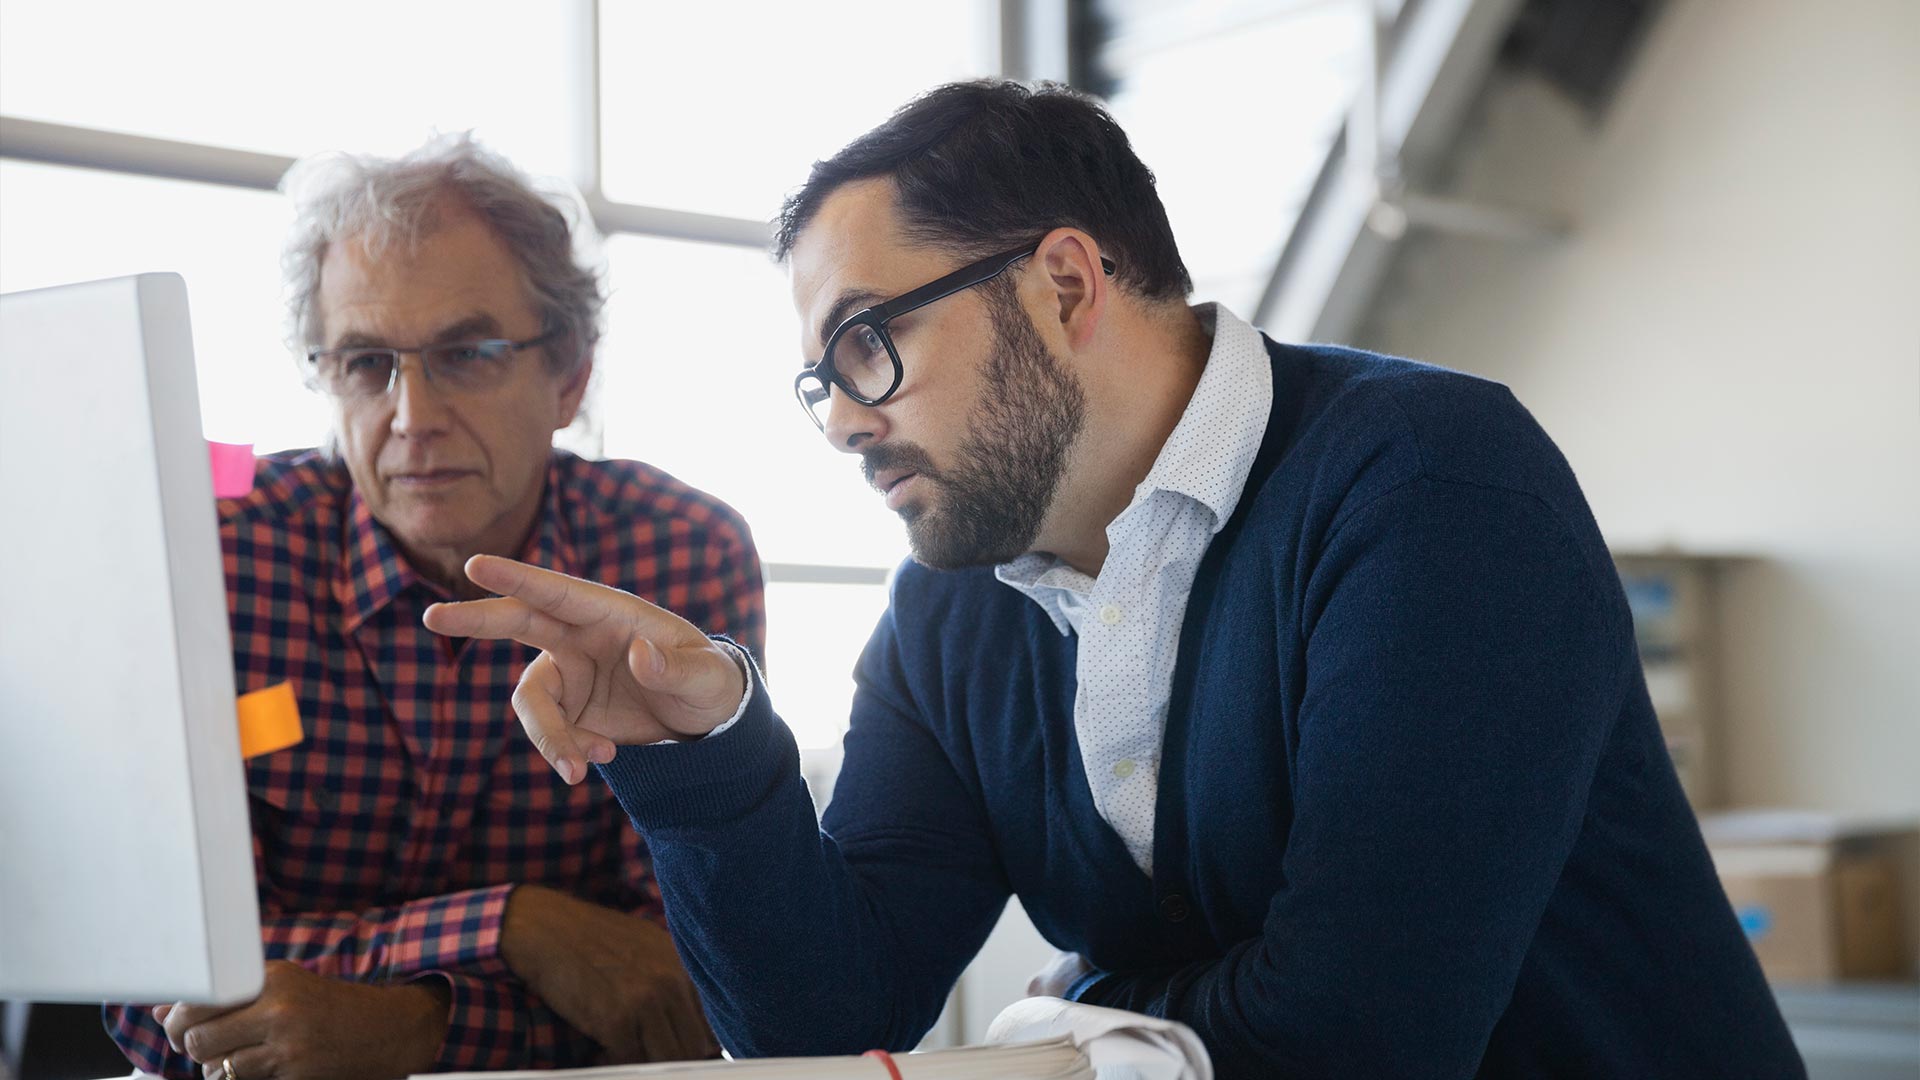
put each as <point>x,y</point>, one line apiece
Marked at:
<point>455,262</point>
<point>480,322</point>
<point>458,329</point>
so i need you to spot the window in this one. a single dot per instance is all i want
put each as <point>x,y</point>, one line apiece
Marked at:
<point>696,376</point>
<point>725,119</point>
<point>697,111</point>
<point>366,75</point>
<point>814,633</point>
<point>1234,106</point>
<point>63,225</point>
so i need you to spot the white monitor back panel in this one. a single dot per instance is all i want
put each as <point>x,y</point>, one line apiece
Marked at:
<point>126,867</point>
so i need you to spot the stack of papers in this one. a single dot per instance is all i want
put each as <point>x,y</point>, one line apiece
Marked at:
<point>1053,1059</point>
<point>1120,1045</point>
<point>1034,1039</point>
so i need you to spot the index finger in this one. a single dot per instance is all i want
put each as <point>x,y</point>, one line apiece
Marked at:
<point>568,599</point>
<point>497,617</point>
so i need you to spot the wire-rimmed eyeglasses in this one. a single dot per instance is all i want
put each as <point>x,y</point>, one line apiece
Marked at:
<point>359,372</point>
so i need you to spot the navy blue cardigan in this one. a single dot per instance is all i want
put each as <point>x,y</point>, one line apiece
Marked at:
<point>1415,815</point>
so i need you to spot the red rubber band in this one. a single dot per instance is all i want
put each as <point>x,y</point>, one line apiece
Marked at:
<point>886,1059</point>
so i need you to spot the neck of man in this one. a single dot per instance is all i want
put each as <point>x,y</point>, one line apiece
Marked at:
<point>1135,399</point>
<point>446,566</point>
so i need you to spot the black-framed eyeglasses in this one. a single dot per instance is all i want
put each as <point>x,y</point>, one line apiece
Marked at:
<point>860,357</point>
<point>361,372</point>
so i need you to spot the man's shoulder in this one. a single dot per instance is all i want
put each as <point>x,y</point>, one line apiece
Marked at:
<point>1372,421</point>
<point>282,537</point>
<point>291,489</point>
<point>1392,397</point>
<point>616,500</point>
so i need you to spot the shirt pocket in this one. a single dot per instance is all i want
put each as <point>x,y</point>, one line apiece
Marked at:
<point>327,835</point>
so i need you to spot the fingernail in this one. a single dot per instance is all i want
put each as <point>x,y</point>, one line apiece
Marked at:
<point>570,770</point>
<point>659,658</point>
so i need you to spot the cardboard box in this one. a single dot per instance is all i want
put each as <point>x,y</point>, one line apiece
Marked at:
<point>1819,898</point>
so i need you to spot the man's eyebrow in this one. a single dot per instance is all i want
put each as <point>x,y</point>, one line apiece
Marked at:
<point>843,306</point>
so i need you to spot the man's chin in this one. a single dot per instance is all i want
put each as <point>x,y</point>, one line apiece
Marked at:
<point>937,548</point>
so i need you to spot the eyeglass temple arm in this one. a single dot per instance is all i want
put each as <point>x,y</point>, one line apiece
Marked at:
<point>964,278</point>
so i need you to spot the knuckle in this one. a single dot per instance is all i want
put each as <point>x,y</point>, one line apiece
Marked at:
<point>543,743</point>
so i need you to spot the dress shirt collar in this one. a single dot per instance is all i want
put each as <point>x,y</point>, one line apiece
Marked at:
<point>1185,462</point>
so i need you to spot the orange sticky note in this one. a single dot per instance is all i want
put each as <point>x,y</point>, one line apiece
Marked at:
<point>269,720</point>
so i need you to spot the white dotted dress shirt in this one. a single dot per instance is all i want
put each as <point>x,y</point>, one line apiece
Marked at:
<point>1129,617</point>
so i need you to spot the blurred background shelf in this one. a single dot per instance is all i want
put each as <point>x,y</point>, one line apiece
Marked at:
<point>1863,1031</point>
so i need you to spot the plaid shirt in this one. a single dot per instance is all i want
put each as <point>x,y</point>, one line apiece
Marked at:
<point>386,843</point>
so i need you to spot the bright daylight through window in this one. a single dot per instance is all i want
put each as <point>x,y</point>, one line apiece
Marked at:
<point>694,374</point>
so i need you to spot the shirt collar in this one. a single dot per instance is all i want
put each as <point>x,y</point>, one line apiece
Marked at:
<point>1219,421</point>
<point>1185,462</point>
<point>374,571</point>
<point>1042,578</point>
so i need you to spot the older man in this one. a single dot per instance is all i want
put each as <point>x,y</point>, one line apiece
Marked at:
<point>1290,688</point>
<point>432,896</point>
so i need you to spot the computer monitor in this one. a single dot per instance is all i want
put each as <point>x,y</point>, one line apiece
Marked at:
<point>126,862</point>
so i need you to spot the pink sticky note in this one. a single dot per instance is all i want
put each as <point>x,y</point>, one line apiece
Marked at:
<point>232,468</point>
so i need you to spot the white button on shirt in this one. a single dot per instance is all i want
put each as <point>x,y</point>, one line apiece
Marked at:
<point>1126,657</point>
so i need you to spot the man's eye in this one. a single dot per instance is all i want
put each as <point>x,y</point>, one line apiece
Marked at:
<point>476,353</point>
<point>363,362</point>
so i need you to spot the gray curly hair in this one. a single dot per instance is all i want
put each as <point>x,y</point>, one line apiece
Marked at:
<point>385,201</point>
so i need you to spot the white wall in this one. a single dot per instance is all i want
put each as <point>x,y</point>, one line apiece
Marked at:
<point>1727,348</point>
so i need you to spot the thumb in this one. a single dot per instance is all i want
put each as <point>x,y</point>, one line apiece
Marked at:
<point>704,677</point>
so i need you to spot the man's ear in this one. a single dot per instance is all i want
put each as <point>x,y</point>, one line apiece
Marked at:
<point>1077,282</point>
<point>574,391</point>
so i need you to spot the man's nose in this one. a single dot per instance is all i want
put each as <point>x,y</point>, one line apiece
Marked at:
<point>851,425</point>
<point>418,407</point>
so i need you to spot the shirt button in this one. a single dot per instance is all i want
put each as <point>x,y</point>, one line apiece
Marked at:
<point>1123,768</point>
<point>1174,908</point>
<point>1110,615</point>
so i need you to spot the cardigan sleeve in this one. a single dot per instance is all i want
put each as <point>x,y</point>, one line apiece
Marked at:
<point>1463,666</point>
<point>806,939</point>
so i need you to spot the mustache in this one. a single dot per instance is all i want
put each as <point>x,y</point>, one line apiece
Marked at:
<point>903,456</point>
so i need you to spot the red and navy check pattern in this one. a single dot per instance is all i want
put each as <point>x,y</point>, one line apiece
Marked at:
<point>386,843</point>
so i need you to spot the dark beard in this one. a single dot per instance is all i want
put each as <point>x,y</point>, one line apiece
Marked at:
<point>991,502</point>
